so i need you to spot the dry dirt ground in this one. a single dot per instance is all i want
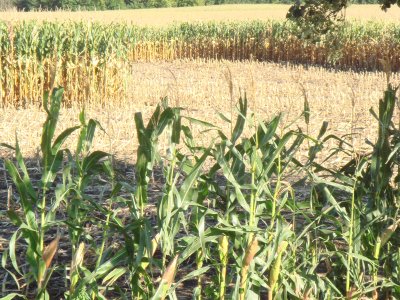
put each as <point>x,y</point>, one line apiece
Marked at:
<point>203,89</point>
<point>165,16</point>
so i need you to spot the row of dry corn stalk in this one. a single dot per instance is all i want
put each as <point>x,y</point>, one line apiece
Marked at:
<point>92,61</point>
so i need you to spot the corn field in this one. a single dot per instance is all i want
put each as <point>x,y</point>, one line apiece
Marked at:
<point>246,217</point>
<point>258,212</point>
<point>92,61</point>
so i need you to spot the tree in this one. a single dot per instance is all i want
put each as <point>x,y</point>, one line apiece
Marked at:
<point>324,14</point>
<point>26,4</point>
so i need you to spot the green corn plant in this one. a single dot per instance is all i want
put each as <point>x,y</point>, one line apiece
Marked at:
<point>84,166</point>
<point>255,168</point>
<point>238,222</point>
<point>38,208</point>
<point>134,260</point>
<point>381,186</point>
<point>148,153</point>
<point>370,213</point>
<point>77,172</point>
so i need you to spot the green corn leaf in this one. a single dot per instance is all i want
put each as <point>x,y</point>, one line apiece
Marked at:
<point>15,219</point>
<point>92,160</point>
<point>50,124</point>
<point>229,176</point>
<point>61,139</point>
<point>25,196</point>
<point>193,274</point>
<point>176,129</point>
<point>7,146</point>
<point>114,275</point>
<point>91,129</point>
<point>109,265</point>
<point>192,177</point>
<point>26,179</point>
<point>323,129</point>
<point>31,221</point>
<point>161,291</point>
<point>166,117</point>
<point>12,296</point>
<point>266,131</point>
<point>223,117</point>
<point>269,160</point>
<point>241,119</point>
<point>340,210</point>
<point>306,111</point>
<point>200,122</point>
<point>12,248</point>
<point>52,166</point>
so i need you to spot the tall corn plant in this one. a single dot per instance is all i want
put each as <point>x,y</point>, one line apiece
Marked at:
<point>79,174</point>
<point>140,243</point>
<point>135,261</point>
<point>364,210</point>
<point>38,207</point>
<point>255,195</point>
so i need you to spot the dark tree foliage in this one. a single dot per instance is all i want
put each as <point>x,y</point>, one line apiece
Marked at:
<point>317,17</point>
<point>325,13</point>
<point>388,3</point>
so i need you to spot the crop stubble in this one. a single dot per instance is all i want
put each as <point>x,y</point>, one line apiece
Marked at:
<point>202,88</point>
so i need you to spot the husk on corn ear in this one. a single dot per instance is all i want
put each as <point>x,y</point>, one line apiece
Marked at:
<point>223,247</point>
<point>275,269</point>
<point>167,279</point>
<point>78,257</point>
<point>76,263</point>
<point>50,251</point>
<point>388,232</point>
<point>47,256</point>
<point>248,258</point>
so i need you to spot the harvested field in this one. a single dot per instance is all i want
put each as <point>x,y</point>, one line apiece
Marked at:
<point>202,88</point>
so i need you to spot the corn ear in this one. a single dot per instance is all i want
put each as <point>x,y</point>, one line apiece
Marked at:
<point>388,232</point>
<point>78,257</point>
<point>47,256</point>
<point>75,264</point>
<point>169,273</point>
<point>251,252</point>
<point>50,251</point>
<point>274,272</point>
<point>166,280</point>
<point>248,258</point>
<point>223,247</point>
